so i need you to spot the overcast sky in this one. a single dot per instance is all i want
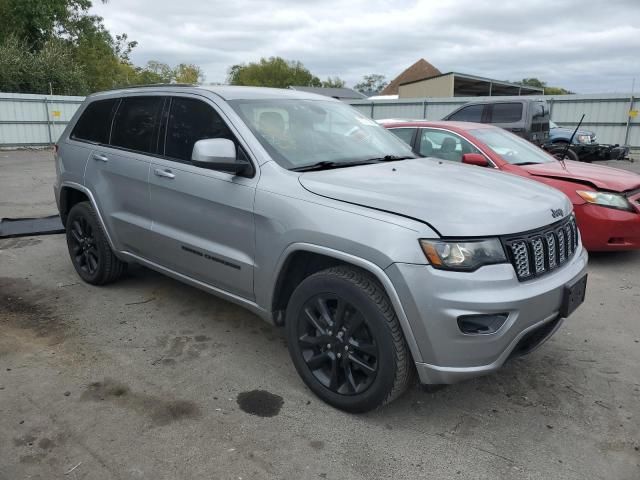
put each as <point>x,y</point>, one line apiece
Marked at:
<point>588,46</point>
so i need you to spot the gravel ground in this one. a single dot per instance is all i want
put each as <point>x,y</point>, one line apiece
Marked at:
<point>152,379</point>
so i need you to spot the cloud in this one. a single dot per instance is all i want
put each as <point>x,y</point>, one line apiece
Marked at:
<point>583,46</point>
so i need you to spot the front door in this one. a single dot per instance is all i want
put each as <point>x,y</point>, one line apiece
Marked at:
<point>203,223</point>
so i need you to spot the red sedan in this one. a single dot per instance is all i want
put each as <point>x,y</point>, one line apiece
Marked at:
<point>606,200</point>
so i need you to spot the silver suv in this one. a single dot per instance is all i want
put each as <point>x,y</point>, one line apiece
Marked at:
<point>378,264</point>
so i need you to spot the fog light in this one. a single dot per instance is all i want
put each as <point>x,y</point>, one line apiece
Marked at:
<point>483,324</point>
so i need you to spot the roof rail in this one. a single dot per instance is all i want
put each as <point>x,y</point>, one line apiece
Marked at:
<point>125,87</point>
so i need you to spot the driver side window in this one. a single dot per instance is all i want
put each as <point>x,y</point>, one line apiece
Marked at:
<point>444,145</point>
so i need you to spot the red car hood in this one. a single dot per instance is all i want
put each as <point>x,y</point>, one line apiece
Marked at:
<point>605,178</point>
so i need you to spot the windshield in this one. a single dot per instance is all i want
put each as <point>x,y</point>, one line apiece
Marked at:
<point>297,133</point>
<point>510,147</point>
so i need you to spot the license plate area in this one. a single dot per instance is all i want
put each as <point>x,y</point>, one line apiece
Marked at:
<point>573,296</point>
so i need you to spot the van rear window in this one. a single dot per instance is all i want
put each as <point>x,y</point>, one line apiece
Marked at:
<point>95,122</point>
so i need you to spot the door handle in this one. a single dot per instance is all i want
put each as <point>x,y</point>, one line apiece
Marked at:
<point>99,157</point>
<point>164,173</point>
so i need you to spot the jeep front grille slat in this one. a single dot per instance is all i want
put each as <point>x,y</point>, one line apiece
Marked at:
<point>541,251</point>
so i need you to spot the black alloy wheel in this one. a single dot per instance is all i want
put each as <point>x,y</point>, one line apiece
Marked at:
<point>89,248</point>
<point>83,246</point>
<point>337,345</point>
<point>346,341</point>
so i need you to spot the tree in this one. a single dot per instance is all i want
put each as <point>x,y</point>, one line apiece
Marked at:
<point>163,73</point>
<point>53,67</point>
<point>335,82</point>
<point>272,72</point>
<point>35,34</point>
<point>534,82</point>
<point>371,84</point>
<point>37,21</point>
<point>123,47</point>
<point>184,73</point>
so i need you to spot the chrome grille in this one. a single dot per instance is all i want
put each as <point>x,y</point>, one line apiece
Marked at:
<point>538,255</point>
<point>538,252</point>
<point>521,259</point>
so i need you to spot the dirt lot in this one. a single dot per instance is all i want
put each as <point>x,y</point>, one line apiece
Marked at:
<point>152,379</point>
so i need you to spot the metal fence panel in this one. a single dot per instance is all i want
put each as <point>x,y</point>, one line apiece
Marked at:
<point>31,120</point>
<point>34,120</point>
<point>606,114</point>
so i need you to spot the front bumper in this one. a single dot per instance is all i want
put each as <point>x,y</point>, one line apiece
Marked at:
<point>434,299</point>
<point>608,229</point>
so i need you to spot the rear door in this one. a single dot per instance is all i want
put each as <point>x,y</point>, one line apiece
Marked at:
<point>510,116</point>
<point>406,134</point>
<point>203,224</point>
<point>117,173</point>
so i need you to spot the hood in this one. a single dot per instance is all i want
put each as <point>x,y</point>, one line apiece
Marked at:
<point>569,131</point>
<point>454,199</point>
<point>598,176</point>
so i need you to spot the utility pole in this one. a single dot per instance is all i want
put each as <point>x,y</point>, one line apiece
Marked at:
<point>628,126</point>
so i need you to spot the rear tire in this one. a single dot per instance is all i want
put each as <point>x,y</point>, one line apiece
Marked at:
<point>89,249</point>
<point>345,340</point>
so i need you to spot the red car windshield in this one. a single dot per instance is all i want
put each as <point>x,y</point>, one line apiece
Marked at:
<point>510,147</point>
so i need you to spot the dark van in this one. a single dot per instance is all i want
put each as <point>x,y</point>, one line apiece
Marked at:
<point>526,117</point>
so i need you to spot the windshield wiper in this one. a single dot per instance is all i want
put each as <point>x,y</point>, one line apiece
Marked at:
<point>389,158</point>
<point>324,165</point>
<point>327,165</point>
<point>527,163</point>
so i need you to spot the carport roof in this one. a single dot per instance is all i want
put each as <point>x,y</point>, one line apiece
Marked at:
<point>469,85</point>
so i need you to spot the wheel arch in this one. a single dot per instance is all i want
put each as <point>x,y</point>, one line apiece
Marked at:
<point>299,261</point>
<point>70,196</point>
<point>72,193</point>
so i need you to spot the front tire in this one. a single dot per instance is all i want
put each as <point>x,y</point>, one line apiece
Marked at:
<point>345,340</point>
<point>89,249</point>
<point>559,149</point>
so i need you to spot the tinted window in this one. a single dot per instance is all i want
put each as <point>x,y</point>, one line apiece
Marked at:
<point>472,113</point>
<point>404,134</point>
<point>135,123</point>
<point>506,113</point>
<point>95,122</point>
<point>189,121</point>
<point>445,145</point>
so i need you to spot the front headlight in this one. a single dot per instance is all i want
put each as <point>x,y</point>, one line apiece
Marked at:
<point>464,255</point>
<point>584,139</point>
<point>606,199</point>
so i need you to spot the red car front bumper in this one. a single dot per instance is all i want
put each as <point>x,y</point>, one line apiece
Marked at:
<point>607,229</point>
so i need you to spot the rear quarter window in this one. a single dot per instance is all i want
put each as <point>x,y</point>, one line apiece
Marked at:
<point>95,122</point>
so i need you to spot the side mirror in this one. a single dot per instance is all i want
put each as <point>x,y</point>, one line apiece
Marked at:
<point>218,154</point>
<point>475,159</point>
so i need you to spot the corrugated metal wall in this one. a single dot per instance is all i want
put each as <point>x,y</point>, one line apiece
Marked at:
<point>38,120</point>
<point>34,120</point>
<point>607,115</point>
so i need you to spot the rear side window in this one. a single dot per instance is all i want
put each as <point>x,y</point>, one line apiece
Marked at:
<point>191,120</point>
<point>506,113</point>
<point>95,122</point>
<point>471,113</point>
<point>404,134</point>
<point>136,122</point>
